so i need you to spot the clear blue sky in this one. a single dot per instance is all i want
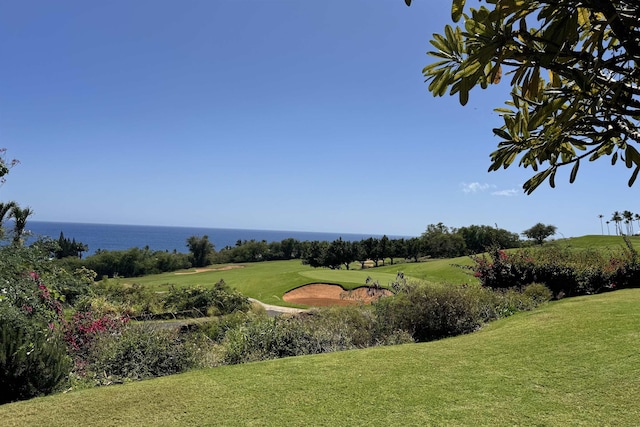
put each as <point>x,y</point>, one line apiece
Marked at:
<point>283,114</point>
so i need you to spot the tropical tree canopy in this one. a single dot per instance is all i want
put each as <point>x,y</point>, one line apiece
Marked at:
<point>573,69</point>
<point>539,232</point>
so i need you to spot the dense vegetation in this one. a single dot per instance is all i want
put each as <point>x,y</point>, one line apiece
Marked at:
<point>572,362</point>
<point>62,330</point>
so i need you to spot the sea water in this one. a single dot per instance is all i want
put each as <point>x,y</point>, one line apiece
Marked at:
<point>120,237</point>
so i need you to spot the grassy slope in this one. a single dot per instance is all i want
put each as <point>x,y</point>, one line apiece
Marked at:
<point>598,242</point>
<point>573,362</point>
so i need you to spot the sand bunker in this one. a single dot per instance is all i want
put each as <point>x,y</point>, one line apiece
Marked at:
<point>321,295</point>
<point>203,270</point>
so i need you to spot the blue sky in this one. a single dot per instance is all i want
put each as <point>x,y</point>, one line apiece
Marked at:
<point>283,115</point>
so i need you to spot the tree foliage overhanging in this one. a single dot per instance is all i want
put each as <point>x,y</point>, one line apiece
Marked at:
<point>574,76</point>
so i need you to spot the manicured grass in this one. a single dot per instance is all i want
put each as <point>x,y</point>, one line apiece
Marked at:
<point>597,242</point>
<point>268,281</point>
<point>435,270</point>
<point>573,362</point>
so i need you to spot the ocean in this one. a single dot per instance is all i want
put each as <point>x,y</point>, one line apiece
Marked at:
<point>120,237</point>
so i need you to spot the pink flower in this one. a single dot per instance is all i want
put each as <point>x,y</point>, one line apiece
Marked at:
<point>34,275</point>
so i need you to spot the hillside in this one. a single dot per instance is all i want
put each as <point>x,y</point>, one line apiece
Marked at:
<point>573,362</point>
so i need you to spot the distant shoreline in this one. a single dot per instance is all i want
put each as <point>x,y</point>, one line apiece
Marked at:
<point>168,238</point>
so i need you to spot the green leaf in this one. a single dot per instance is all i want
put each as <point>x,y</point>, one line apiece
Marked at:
<point>631,156</point>
<point>502,134</point>
<point>407,2</point>
<point>574,171</point>
<point>456,9</point>
<point>634,175</point>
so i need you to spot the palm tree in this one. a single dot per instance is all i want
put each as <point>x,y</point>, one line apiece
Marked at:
<point>608,231</point>
<point>5,208</point>
<point>601,228</point>
<point>637,218</point>
<point>617,218</point>
<point>20,216</point>
<point>628,220</point>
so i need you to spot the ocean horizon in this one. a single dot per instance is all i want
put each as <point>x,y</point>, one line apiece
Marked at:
<point>166,238</point>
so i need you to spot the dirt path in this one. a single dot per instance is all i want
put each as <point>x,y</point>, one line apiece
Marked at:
<point>276,310</point>
<point>204,270</point>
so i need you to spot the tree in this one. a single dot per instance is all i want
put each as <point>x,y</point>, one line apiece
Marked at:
<point>601,227</point>
<point>5,210</point>
<point>617,219</point>
<point>371,247</point>
<point>540,232</point>
<point>315,253</point>
<point>439,241</point>
<point>339,253</point>
<point>384,248</point>
<point>398,249</point>
<point>68,248</point>
<point>19,216</point>
<point>413,248</point>
<point>478,238</point>
<point>575,85</point>
<point>200,249</point>
<point>628,221</point>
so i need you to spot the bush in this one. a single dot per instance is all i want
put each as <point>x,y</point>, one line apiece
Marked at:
<point>538,293</point>
<point>251,338</point>
<point>110,296</point>
<point>431,312</point>
<point>140,351</point>
<point>217,300</point>
<point>565,272</point>
<point>33,358</point>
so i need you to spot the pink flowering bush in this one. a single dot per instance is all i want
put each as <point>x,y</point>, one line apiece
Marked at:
<point>564,271</point>
<point>33,356</point>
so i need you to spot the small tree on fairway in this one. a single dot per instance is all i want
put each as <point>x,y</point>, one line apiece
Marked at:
<point>540,232</point>
<point>200,249</point>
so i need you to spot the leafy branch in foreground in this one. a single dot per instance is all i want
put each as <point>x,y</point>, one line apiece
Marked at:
<point>574,76</point>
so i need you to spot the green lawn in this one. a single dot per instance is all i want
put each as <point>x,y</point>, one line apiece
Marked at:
<point>268,281</point>
<point>573,362</point>
<point>597,242</point>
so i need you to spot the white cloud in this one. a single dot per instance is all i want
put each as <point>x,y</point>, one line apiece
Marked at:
<point>474,187</point>
<point>507,193</point>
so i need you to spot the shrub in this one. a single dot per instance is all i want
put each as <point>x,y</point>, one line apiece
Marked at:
<point>219,299</point>
<point>110,296</point>
<point>565,272</point>
<point>140,351</point>
<point>33,359</point>
<point>538,293</point>
<point>33,362</point>
<point>84,329</point>
<point>430,312</point>
<point>253,338</point>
